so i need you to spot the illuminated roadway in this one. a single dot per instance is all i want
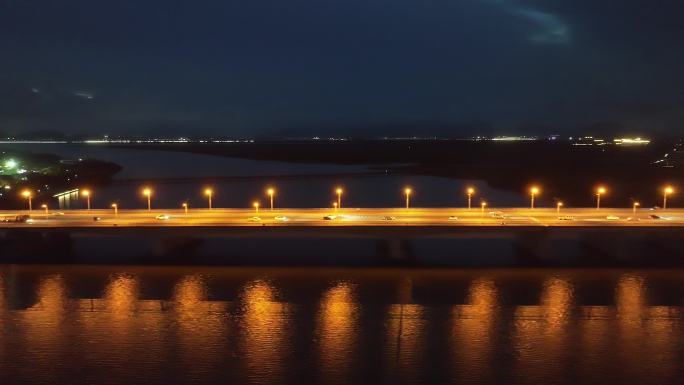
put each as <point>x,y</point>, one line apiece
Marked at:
<point>414,217</point>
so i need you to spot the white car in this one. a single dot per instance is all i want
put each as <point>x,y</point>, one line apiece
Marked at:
<point>282,219</point>
<point>162,217</point>
<point>330,217</point>
<point>254,219</point>
<point>566,218</point>
<point>613,218</point>
<point>453,218</point>
<point>389,218</point>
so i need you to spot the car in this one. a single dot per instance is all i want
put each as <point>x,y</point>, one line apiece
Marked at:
<point>22,219</point>
<point>389,218</point>
<point>653,216</point>
<point>162,217</point>
<point>254,219</point>
<point>633,219</point>
<point>612,218</point>
<point>566,218</point>
<point>96,219</point>
<point>453,218</point>
<point>497,214</point>
<point>330,217</point>
<point>282,219</point>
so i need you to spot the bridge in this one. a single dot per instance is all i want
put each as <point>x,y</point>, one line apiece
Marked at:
<point>504,237</point>
<point>348,217</point>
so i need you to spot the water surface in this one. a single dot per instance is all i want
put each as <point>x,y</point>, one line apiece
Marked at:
<point>192,325</point>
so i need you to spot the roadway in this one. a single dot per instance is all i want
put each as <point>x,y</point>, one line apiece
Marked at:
<point>569,217</point>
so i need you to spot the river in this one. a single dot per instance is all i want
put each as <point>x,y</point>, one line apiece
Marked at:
<point>193,325</point>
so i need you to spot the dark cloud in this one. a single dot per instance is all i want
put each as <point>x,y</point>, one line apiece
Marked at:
<point>361,67</point>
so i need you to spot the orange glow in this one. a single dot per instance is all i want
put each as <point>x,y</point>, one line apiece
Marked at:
<point>266,325</point>
<point>337,328</point>
<point>557,300</point>
<point>121,296</point>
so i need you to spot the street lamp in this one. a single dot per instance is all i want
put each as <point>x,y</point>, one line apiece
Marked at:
<point>256,207</point>
<point>116,209</point>
<point>407,192</point>
<point>208,192</point>
<point>666,191</point>
<point>86,193</point>
<point>270,193</point>
<point>45,207</point>
<point>470,191</point>
<point>482,206</point>
<point>185,207</point>
<point>534,190</point>
<point>339,192</point>
<point>599,191</point>
<point>558,207</point>
<point>335,206</point>
<point>148,193</point>
<point>28,195</point>
<point>634,207</point>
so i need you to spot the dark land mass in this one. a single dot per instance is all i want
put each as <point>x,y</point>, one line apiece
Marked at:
<point>564,170</point>
<point>48,174</point>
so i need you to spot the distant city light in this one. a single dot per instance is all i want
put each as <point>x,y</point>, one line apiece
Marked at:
<point>631,141</point>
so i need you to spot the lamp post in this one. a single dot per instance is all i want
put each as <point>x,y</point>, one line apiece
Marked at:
<point>666,191</point>
<point>256,207</point>
<point>599,191</point>
<point>407,192</point>
<point>533,192</point>
<point>335,206</point>
<point>45,207</point>
<point>470,191</point>
<point>339,192</point>
<point>482,206</point>
<point>29,196</point>
<point>634,207</point>
<point>558,207</point>
<point>209,193</point>
<point>185,207</point>
<point>147,192</point>
<point>116,209</point>
<point>270,193</point>
<point>86,193</point>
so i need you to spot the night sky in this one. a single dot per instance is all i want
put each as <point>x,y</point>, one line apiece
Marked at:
<point>283,68</point>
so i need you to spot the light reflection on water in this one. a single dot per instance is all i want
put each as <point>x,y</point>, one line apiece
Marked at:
<point>157,325</point>
<point>337,332</point>
<point>473,328</point>
<point>265,332</point>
